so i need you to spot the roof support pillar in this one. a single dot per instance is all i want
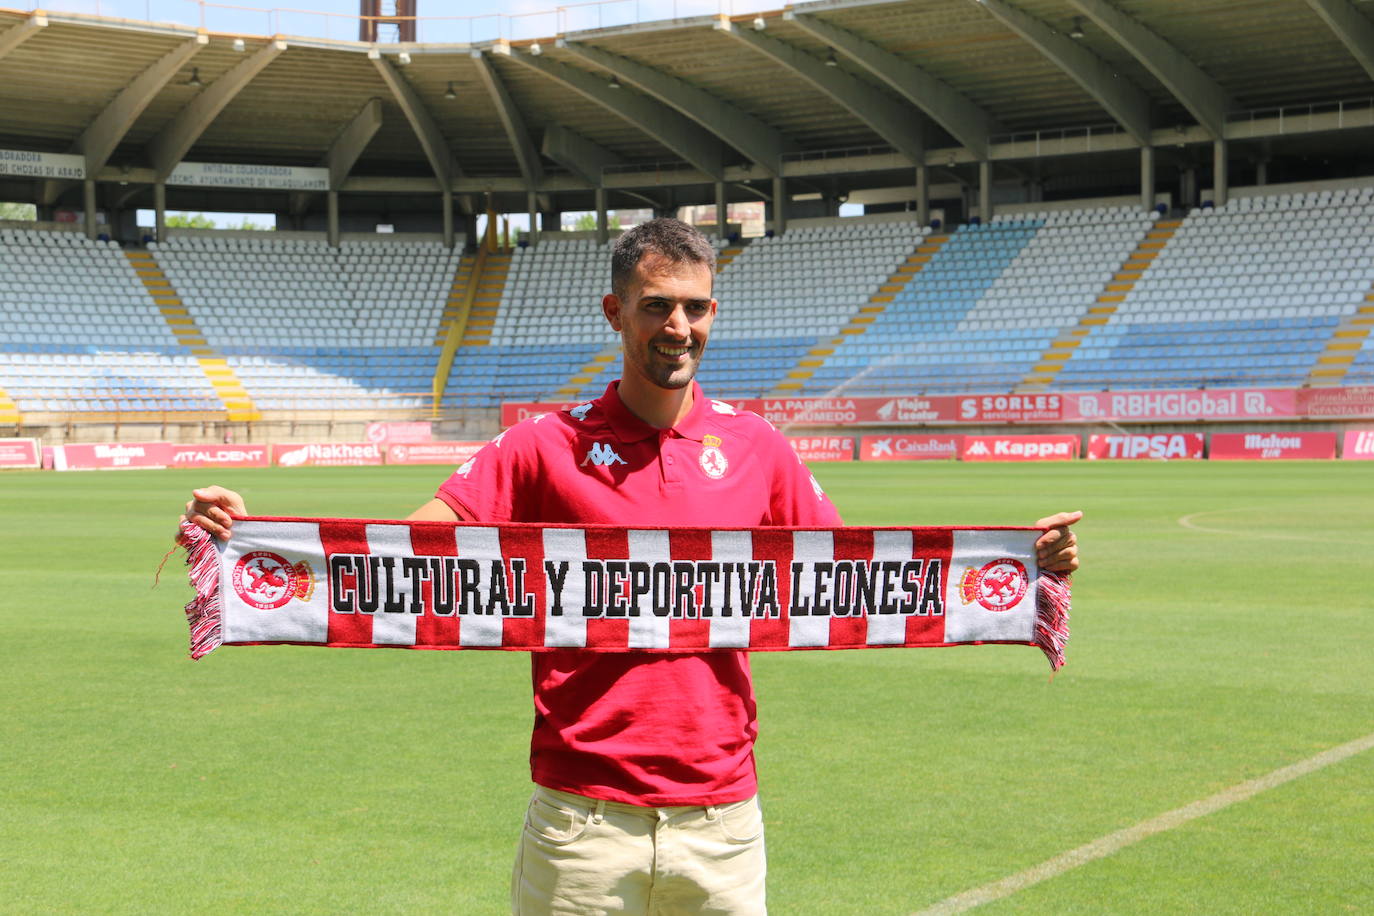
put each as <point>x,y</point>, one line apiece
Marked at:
<point>985,191</point>
<point>88,206</point>
<point>332,215</point>
<point>923,194</point>
<point>603,232</point>
<point>1220,178</point>
<point>779,205</point>
<point>722,212</point>
<point>447,198</point>
<point>160,211</point>
<point>1147,177</point>
<point>532,207</point>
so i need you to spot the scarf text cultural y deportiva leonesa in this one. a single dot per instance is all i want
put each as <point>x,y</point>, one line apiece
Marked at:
<point>440,585</point>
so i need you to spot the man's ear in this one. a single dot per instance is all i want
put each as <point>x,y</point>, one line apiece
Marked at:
<point>610,307</point>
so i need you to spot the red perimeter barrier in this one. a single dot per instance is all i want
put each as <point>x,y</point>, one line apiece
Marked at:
<point>20,453</point>
<point>1237,446</point>
<point>1156,445</point>
<point>1059,407</point>
<point>909,448</point>
<point>823,448</point>
<point>1019,448</point>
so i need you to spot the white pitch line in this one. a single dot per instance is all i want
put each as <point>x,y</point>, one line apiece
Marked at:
<point>1112,842</point>
<point>1186,521</point>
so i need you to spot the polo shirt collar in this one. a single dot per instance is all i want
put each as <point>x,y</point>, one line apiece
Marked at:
<point>630,428</point>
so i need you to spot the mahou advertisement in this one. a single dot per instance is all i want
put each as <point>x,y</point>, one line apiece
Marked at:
<point>1020,448</point>
<point>1157,446</point>
<point>327,454</point>
<point>823,448</point>
<point>1240,446</point>
<point>112,456</point>
<point>910,448</point>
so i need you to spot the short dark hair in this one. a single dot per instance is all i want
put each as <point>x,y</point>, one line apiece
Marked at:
<point>670,238</point>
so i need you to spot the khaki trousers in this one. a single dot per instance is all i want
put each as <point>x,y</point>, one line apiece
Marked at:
<point>580,856</point>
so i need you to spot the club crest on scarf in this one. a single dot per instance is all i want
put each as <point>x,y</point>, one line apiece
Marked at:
<point>267,580</point>
<point>997,586</point>
<point>713,462</point>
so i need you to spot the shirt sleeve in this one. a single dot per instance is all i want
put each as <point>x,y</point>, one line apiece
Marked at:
<point>486,486</point>
<point>796,498</point>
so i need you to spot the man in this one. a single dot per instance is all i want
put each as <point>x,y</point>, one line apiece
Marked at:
<point>646,796</point>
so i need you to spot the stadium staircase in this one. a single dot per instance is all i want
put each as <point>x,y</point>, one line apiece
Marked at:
<point>473,302</point>
<point>858,324</point>
<point>1348,341</point>
<point>1062,348</point>
<point>238,404</point>
<point>9,411</point>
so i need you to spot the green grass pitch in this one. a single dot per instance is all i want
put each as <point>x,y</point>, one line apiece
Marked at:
<point>291,780</point>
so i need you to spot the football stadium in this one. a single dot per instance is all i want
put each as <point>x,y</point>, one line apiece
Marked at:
<point>979,261</point>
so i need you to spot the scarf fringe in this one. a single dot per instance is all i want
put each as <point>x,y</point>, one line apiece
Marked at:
<point>204,612</point>
<point>1052,602</point>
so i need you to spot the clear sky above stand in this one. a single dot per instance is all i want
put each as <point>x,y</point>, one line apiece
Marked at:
<point>440,20</point>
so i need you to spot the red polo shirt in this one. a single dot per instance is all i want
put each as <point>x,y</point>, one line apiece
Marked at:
<point>642,728</point>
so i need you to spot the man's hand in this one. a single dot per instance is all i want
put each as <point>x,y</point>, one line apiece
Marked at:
<point>210,507</point>
<point>1057,549</point>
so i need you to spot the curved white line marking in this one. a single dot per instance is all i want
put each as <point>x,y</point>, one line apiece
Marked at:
<point>1186,521</point>
<point>1112,842</point>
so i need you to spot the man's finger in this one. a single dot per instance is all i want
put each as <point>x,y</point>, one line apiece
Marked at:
<point>1059,519</point>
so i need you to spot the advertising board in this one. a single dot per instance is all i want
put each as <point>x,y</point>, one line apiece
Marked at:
<point>326,454</point>
<point>909,448</point>
<point>1240,446</point>
<point>19,453</point>
<point>1158,446</point>
<point>823,448</point>
<point>439,452</point>
<point>1019,448</point>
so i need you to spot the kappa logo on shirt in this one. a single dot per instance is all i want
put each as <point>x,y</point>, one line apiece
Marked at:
<point>602,455</point>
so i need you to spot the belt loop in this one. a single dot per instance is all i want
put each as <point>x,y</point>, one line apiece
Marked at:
<point>712,812</point>
<point>599,814</point>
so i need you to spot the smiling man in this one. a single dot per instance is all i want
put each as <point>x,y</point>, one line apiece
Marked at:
<point>645,794</point>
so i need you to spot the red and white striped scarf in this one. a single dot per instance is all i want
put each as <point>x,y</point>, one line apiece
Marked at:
<point>441,585</point>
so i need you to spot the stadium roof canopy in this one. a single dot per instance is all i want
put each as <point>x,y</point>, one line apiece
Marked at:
<point>836,95</point>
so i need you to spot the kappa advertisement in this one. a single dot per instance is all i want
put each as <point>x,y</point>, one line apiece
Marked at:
<point>1019,448</point>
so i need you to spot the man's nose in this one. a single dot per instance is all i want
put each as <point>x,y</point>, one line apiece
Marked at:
<point>678,323</point>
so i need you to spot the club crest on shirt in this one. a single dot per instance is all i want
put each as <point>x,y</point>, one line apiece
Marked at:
<point>997,586</point>
<point>266,580</point>
<point>713,462</point>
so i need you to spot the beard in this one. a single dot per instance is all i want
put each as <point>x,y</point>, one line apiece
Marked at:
<point>663,373</point>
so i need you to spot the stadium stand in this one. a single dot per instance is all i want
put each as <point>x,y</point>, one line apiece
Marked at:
<point>1245,294</point>
<point>83,335</point>
<point>309,327</point>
